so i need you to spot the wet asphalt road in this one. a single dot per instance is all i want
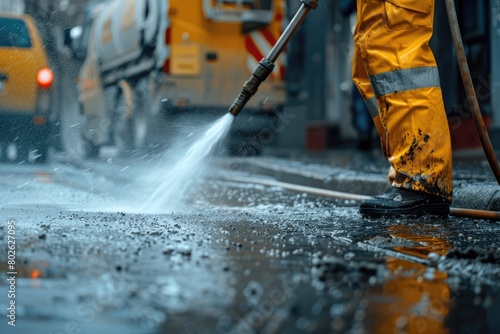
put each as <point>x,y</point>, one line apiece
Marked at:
<point>237,258</point>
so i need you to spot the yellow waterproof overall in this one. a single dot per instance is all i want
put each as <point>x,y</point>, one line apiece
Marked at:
<point>395,71</point>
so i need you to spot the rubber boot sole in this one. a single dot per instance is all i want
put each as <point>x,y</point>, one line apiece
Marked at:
<point>433,209</point>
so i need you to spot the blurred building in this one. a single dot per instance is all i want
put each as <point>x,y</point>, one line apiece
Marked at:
<point>13,6</point>
<point>319,80</point>
<point>480,28</point>
<point>319,70</point>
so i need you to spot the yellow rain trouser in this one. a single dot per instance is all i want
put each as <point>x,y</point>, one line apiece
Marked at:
<point>395,71</point>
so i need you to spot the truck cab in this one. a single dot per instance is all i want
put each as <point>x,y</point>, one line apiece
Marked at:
<point>147,63</point>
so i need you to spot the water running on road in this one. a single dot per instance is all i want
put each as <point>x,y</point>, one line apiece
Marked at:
<point>184,167</point>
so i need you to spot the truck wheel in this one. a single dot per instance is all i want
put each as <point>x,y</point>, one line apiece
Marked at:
<point>123,125</point>
<point>132,116</point>
<point>86,148</point>
<point>22,153</point>
<point>90,150</point>
<point>42,146</point>
<point>42,154</point>
<point>140,128</point>
<point>142,113</point>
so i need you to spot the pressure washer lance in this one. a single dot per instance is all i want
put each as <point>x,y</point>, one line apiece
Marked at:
<point>266,65</point>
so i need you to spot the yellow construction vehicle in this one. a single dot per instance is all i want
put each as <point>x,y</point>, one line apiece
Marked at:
<point>26,90</point>
<point>145,59</point>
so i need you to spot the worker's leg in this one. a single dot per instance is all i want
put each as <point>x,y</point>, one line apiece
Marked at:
<point>392,37</point>
<point>362,82</point>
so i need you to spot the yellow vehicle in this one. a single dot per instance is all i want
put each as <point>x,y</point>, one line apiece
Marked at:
<point>147,62</point>
<point>25,88</point>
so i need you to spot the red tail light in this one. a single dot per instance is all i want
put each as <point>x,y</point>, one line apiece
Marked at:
<point>168,39</point>
<point>45,77</point>
<point>168,35</point>
<point>166,66</point>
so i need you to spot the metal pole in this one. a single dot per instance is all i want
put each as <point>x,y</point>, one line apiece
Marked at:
<point>288,33</point>
<point>266,65</point>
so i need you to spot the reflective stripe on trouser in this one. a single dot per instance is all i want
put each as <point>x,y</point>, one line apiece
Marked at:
<point>394,64</point>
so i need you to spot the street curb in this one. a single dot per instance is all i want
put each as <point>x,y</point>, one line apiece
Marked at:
<point>467,193</point>
<point>337,179</point>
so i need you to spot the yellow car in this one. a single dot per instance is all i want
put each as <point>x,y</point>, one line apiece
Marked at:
<point>25,89</point>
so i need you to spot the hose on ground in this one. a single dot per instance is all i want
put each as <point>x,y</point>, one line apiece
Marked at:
<point>457,212</point>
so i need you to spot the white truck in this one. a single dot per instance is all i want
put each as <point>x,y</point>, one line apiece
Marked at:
<point>12,6</point>
<point>147,62</point>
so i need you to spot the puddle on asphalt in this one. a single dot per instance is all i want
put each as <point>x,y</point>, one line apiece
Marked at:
<point>289,278</point>
<point>278,273</point>
<point>415,297</point>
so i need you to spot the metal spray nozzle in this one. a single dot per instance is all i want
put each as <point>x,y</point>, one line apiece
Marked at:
<point>261,72</point>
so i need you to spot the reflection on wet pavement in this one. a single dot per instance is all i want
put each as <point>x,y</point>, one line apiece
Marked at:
<point>245,259</point>
<point>418,295</point>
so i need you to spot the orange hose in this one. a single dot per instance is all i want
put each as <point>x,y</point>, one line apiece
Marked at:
<point>457,212</point>
<point>471,213</point>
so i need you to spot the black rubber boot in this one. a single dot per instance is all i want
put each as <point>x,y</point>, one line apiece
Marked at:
<point>404,202</point>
